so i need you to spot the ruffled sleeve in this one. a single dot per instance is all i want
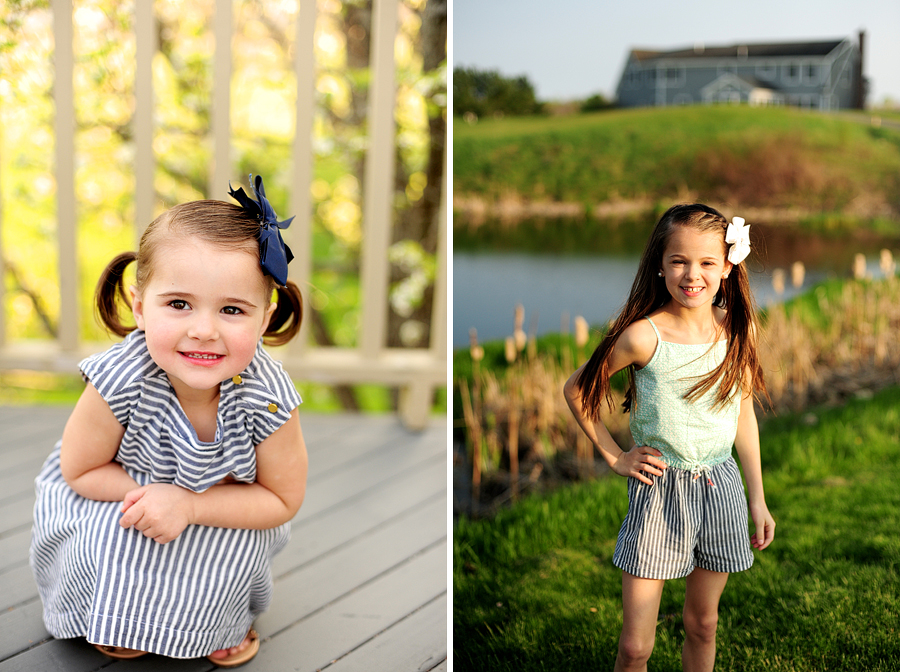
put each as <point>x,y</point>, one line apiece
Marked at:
<point>266,395</point>
<point>118,372</point>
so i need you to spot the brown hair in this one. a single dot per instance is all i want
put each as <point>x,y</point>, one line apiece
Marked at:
<point>215,222</point>
<point>648,293</point>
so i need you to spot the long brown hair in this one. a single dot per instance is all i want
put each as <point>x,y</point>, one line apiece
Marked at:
<point>648,293</point>
<point>215,222</point>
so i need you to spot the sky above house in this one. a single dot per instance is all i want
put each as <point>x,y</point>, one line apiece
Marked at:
<point>570,49</point>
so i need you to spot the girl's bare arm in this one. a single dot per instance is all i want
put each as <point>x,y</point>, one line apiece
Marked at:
<point>747,444</point>
<point>635,346</point>
<point>90,442</point>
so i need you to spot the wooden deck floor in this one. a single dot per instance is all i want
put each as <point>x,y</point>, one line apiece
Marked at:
<point>361,586</point>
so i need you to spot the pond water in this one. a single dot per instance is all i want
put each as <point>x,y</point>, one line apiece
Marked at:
<point>554,289</point>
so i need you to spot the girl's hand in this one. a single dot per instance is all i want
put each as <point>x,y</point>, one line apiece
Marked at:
<point>160,511</point>
<point>638,459</point>
<point>765,526</point>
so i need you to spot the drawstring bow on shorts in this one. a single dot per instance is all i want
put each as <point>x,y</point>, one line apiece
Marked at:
<point>698,470</point>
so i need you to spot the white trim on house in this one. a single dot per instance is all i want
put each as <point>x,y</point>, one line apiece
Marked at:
<point>730,88</point>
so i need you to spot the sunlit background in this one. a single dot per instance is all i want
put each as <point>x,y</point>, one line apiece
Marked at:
<point>263,96</point>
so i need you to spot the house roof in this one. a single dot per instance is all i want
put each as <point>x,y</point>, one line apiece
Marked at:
<point>821,48</point>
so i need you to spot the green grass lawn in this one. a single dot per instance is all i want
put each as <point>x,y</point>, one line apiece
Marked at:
<point>535,589</point>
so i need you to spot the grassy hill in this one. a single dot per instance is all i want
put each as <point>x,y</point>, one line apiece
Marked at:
<point>776,158</point>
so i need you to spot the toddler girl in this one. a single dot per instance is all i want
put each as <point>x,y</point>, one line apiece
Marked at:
<point>688,339</point>
<point>183,462</point>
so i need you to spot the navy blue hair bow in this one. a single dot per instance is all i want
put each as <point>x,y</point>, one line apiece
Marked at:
<point>274,255</point>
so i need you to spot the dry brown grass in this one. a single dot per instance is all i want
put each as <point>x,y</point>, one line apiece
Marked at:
<point>846,347</point>
<point>770,171</point>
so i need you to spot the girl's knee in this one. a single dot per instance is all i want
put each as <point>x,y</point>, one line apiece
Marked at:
<point>701,627</point>
<point>634,651</point>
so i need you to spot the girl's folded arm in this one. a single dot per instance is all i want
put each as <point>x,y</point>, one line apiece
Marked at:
<point>634,347</point>
<point>275,497</point>
<point>89,444</point>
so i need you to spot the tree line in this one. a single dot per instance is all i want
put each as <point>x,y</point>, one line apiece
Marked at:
<point>487,93</point>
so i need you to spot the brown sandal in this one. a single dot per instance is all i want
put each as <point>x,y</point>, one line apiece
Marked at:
<point>244,656</point>
<point>119,653</point>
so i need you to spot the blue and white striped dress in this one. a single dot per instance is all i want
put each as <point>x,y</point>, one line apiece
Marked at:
<point>114,586</point>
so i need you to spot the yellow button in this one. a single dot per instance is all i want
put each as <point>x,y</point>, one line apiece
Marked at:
<point>273,408</point>
<point>237,380</point>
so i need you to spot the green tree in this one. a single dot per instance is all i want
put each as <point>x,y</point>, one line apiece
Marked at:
<point>596,103</point>
<point>488,93</point>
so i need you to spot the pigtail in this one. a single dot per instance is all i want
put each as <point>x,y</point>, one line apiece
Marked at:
<point>285,323</point>
<point>111,289</point>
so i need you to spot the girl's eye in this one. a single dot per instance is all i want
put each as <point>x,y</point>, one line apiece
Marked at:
<point>178,304</point>
<point>232,310</point>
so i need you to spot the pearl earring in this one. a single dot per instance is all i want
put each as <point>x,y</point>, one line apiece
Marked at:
<point>661,274</point>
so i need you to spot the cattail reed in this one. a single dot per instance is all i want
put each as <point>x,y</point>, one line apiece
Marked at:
<point>798,274</point>
<point>886,262</point>
<point>778,281</point>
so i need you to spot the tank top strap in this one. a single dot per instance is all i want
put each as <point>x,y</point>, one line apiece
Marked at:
<point>655,330</point>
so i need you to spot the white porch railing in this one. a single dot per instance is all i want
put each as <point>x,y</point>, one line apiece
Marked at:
<point>417,372</point>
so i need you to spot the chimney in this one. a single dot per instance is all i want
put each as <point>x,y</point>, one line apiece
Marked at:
<point>860,102</point>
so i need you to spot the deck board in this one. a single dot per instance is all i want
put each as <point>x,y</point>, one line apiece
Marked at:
<point>364,577</point>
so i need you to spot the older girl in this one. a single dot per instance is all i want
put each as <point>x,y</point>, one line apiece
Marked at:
<point>688,339</point>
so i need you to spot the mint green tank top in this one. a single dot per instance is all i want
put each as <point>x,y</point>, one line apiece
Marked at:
<point>691,435</point>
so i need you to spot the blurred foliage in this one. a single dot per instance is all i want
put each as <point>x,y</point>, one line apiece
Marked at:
<point>490,94</point>
<point>263,98</point>
<point>596,103</point>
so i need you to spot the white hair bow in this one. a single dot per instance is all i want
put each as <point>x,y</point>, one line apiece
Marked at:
<point>738,236</point>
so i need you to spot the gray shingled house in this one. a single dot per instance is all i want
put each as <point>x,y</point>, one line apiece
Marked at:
<point>824,75</point>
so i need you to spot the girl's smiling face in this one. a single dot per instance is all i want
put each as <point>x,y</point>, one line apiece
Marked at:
<point>693,265</point>
<point>203,312</point>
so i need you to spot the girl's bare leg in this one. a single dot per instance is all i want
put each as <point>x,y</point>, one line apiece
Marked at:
<point>701,616</point>
<point>640,612</point>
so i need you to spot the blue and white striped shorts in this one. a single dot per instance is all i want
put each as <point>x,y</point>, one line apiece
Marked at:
<point>682,522</point>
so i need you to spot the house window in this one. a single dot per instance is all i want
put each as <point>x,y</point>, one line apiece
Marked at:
<point>791,73</point>
<point>675,76</point>
<point>811,73</point>
<point>632,78</point>
<point>727,67</point>
<point>650,77</point>
<point>767,71</point>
